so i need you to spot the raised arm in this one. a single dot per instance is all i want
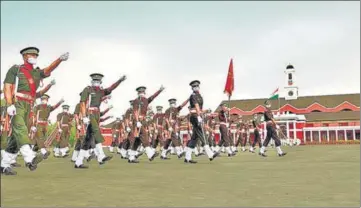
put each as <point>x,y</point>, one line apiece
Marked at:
<point>56,105</point>
<point>52,66</point>
<point>106,118</point>
<point>151,98</point>
<point>45,90</point>
<point>115,85</point>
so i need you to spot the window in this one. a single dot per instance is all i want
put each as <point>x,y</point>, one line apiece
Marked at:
<point>289,76</point>
<point>290,93</point>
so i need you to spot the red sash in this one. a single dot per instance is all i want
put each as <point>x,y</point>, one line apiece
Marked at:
<point>30,80</point>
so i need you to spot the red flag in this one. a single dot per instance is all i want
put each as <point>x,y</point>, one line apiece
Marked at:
<point>228,89</point>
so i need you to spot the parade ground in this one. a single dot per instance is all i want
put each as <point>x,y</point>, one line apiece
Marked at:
<point>307,176</point>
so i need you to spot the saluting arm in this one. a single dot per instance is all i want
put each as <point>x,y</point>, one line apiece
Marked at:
<point>151,98</point>
<point>104,112</point>
<point>43,91</point>
<point>184,103</point>
<point>115,85</point>
<point>104,119</point>
<point>52,66</point>
<point>57,105</point>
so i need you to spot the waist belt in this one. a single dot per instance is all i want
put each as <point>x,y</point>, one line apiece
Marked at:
<point>223,123</point>
<point>93,109</point>
<point>42,122</point>
<point>116,130</point>
<point>193,111</point>
<point>64,125</point>
<point>25,97</point>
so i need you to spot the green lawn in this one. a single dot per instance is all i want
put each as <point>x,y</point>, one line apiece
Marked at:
<point>308,176</point>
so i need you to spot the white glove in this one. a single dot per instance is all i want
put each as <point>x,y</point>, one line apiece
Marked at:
<point>277,126</point>
<point>156,131</point>
<point>11,110</point>
<point>79,127</point>
<point>207,132</point>
<point>128,129</point>
<point>109,97</point>
<point>190,132</point>
<point>123,78</point>
<point>170,129</point>
<point>151,135</point>
<point>176,134</point>
<point>60,130</point>
<point>86,120</point>
<point>227,125</point>
<point>199,119</point>
<point>62,100</point>
<point>115,136</point>
<point>53,82</point>
<point>33,129</point>
<point>110,106</point>
<point>139,124</point>
<point>65,56</point>
<point>161,88</point>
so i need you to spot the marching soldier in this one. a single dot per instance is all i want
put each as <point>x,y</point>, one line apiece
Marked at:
<point>196,103</point>
<point>64,120</point>
<point>140,108</point>
<point>211,127</point>
<point>257,138</point>
<point>29,80</point>
<point>245,137</point>
<point>90,101</point>
<point>117,130</point>
<point>173,124</point>
<point>159,132</point>
<point>42,113</point>
<point>80,132</point>
<point>223,117</point>
<point>271,132</point>
<point>128,121</point>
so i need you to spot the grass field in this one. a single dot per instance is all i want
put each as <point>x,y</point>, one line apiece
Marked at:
<point>308,176</point>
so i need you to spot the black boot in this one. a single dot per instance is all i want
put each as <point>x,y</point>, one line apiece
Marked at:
<point>262,154</point>
<point>190,161</point>
<point>106,158</point>
<point>46,155</point>
<point>15,165</point>
<point>156,154</point>
<point>164,158</point>
<point>81,166</point>
<point>214,156</point>
<point>283,154</point>
<point>133,161</point>
<point>181,155</point>
<point>8,171</point>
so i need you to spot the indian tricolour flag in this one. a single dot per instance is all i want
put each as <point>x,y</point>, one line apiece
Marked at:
<point>274,95</point>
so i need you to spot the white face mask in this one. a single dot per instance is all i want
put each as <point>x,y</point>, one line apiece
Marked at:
<point>96,83</point>
<point>32,60</point>
<point>65,111</point>
<point>141,94</point>
<point>213,121</point>
<point>195,89</point>
<point>268,106</point>
<point>173,105</point>
<point>44,102</point>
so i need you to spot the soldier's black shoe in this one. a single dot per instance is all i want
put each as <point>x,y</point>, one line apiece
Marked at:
<point>156,154</point>
<point>92,156</point>
<point>31,166</point>
<point>138,155</point>
<point>283,154</point>
<point>232,154</point>
<point>164,158</point>
<point>72,161</point>
<point>15,165</point>
<point>236,150</point>
<point>168,151</point>
<point>81,166</point>
<point>124,158</point>
<point>64,156</point>
<point>214,156</point>
<point>133,161</point>
<point>262,154</point>
<point>8,171</point>
<point>181,155</point>
<point>190,161</point>
<point>106,158</point>
<point>46,155</point>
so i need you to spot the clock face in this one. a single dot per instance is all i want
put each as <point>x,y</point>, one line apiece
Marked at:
<point>290,93</point>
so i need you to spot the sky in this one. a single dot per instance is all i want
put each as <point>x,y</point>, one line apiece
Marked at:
<point>173,43</point>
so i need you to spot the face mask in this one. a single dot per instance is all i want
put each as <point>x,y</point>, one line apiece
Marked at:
<point>213,121</point>
<point>44,102</point>
<point>173,105</point>
<point>141,94</point>
<point>32,60</point>
<point>159,111</point>
<point>96,83</point>
<point>268,106</point>
<point>195,89</point>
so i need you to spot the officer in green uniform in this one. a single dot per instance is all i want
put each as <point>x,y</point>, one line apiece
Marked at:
<point>42,113</point>
<point>64,120</point>
<point>80,132</point>
<point>28,81</point>
<point>90,101</point>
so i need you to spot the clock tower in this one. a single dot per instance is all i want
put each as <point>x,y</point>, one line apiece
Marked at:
<point>291,89</point>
